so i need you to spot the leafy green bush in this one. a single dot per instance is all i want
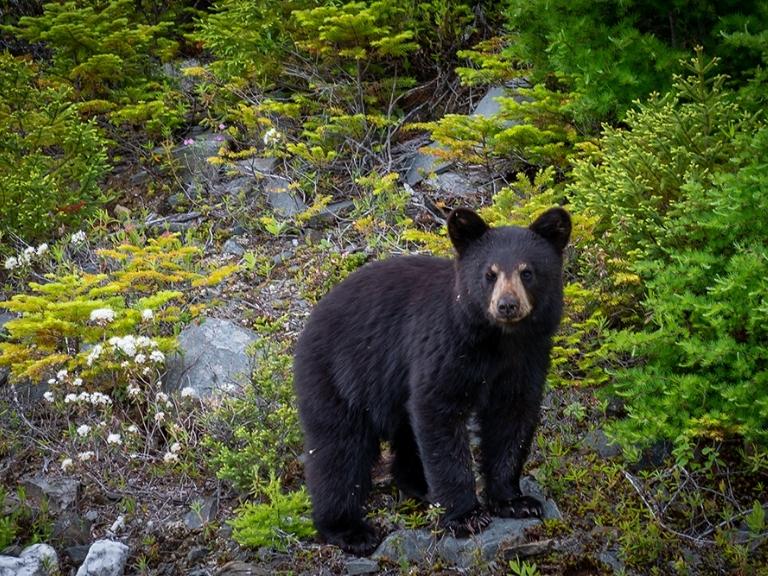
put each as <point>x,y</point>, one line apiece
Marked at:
<point>611,53</point>
<point>677,198</point>
<point>51,162</point>
<point>110,57</point>
<point>258,435</point>
<point>276,522</point>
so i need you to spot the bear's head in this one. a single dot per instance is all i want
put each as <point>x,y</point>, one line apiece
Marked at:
<point>511,273</point>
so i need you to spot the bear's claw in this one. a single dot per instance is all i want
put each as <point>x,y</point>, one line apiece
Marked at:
<point>519,507</point>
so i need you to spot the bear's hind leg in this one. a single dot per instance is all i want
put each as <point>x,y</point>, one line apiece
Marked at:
<point>407,468</point>
<point>341,450</point>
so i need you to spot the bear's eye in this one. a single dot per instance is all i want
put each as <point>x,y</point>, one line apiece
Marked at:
<point>490,276</point>
<point>526,275</point>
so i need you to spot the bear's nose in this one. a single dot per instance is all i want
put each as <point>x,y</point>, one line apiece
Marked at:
<point>508,306</point>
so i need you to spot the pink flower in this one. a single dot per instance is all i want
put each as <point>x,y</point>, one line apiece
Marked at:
<point>222,126</point>
<point>189,141</point>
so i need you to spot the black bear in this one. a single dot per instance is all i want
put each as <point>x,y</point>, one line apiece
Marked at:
<point>406,349</point>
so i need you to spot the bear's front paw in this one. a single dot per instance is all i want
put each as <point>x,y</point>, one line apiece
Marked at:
<point>468,524</point>
<point>519,507</point>
<point>360,539</point>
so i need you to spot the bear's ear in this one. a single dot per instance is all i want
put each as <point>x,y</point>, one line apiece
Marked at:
<point>464,227</point>
<point>555,227</point>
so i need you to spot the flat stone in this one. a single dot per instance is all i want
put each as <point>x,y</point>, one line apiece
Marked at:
<point>44,553</point>
<point>201,513</point>
<point>242,185</point>
<point>453,184</point>
<point>283,201</point>
<point>71,529</point>
<point>598,442</point>
<point>357,566</point>
<point>77,554</point>
<point>214,357</point>
<point>61,493</point>
<point>232,247</point>
<point>425,164</point>
<point>331,213</point>
<point>254,166</point>
<point>105,558</point>
<point>503,536</point>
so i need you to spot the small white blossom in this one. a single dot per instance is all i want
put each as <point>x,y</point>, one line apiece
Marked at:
<point>133,390</point>
<point>161,397</point>
<point>133,428</point>
<point>11,263</point>
<point>114,439</point>
<point>160,416</point>
<point>70,398</point>
<point>85,456</point>
<point>29,251</point>
<point>175,447</point>
<point>102,315</point>
<point>42,249</point>
<point>83,430</point>
<point>78,237</point>
<point>124,364</point>
<point>272,136</point>
<point>146,371</point>
<point>126,344</point>
<point>77,382</point>
<point>188,391</point>
<point>170,457</point>
<point>66,464</point>
<point>48,396</point>
<point>83,397</point>
<point>52,381</point>
<point>100,398</point>
<point>157,356</point>
<point>94,354</point>
<point>61,375</point>
<point>140,358</point>
<point>147,314</point>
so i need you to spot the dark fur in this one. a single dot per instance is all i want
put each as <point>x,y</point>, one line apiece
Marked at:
<point>405,350</point>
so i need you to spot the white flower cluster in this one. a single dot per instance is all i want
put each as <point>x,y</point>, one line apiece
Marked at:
<point>131,345</point>
<point>25,257</point>
<point>271,137</point>
<point>94,398</point>
<point>102,316</point>
<point>173,454</point>
<point>77,238</point>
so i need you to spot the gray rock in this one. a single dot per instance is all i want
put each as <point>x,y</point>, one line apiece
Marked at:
<point>331,213</point>
<point>425,164</point>
<point>193,169</point>
<point>504,535</point>
<point>174,222</point>
<point>242,185</point>
<point>71,529</point>
<point>61,493</point>
<point>44,554</point>
<point>213,357</point>
<point>105,558</point>
<point>283,201</point>
<point>232,247</point>
<point>254,166</point>
<point>489,105</point>
<point>598,442</point>
<point>37,560</point>
<point>77,554</point>
<point>197,554</point>
<point>201,513</point>
<point>453,184</point>
<point>357,566</point>
<point>611,559</point>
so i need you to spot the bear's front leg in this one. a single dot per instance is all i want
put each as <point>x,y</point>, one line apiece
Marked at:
<point>441,435</point>
<point>508,423</point>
